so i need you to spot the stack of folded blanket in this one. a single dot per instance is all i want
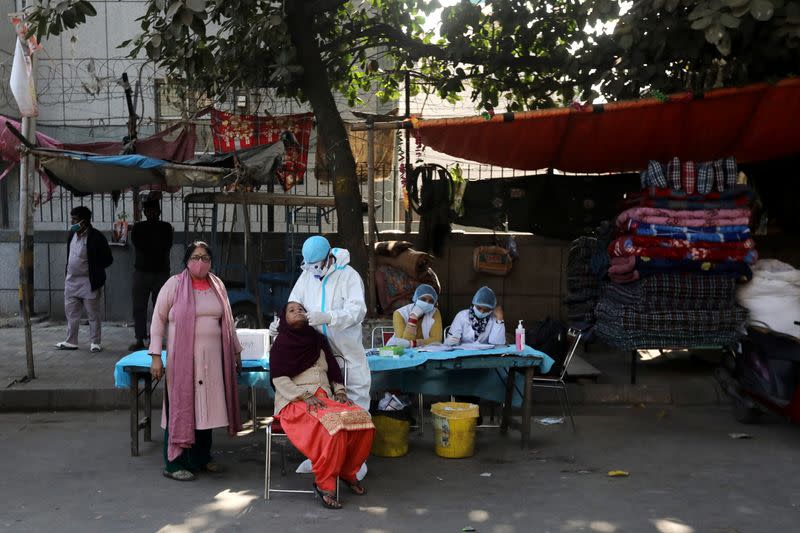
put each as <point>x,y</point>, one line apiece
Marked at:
<point>682,243</point>
<point>683,226</point>
<point>670,310</point>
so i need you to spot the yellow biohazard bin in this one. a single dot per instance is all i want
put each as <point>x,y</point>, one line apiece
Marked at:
<point>454,427</point>
<point>391,436</point>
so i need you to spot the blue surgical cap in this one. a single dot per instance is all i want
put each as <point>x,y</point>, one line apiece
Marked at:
<point>315,249</point>
<point>485,298</point>
<point>425,289</point>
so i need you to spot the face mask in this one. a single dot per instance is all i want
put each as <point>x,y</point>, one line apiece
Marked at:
<point>75,227</point>
<point>318,269</point>
<point>426,307</point>
<point>199,269</point>
<point>480,314</point>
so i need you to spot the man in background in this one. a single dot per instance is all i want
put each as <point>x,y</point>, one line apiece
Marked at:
<point>152,239</point>
<point>88,256</point>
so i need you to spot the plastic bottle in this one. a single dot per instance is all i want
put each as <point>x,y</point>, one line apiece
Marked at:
<point>520,337</point>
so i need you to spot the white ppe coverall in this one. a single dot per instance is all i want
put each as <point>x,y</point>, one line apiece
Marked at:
<point>341,294</point>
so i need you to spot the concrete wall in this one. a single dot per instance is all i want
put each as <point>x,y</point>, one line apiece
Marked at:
<point>533,289</point>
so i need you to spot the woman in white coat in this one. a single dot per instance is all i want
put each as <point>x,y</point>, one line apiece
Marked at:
<point>481,323</point>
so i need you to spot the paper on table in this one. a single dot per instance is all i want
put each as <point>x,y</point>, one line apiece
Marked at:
<point>436,348</point>
<point>475,346</point>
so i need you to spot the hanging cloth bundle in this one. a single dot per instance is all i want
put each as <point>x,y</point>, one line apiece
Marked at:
<point>430,192</point>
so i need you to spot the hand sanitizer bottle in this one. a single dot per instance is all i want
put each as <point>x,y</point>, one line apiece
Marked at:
<point>520,337</point>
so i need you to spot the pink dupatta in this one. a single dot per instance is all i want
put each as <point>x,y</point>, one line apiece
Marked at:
<point>180,365</point>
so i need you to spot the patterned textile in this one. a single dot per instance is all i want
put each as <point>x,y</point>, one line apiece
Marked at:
<point>624,246</point>
<point>687,320</point>
<point>672,291</point>
<point>734,269</point>
<point>678,287</point>
<point>627,327</point>
<point>689,177</point>
<point>705,178</point>
<point>232,132</point>
<point>674,173</point>
<point>582,282</point>
<point>620,265</point>
<point>708,233</point>
<point>583,295</point>
<point>579,283</point>
<point>655,175</point>
<point>668,338</point>
<point>696,218</point>
<point>628,294</point>
<point>731,172</point>
<point>478,325</point>
<point>624,277</point>
<point>666,242</point>
<point>737,192</point>
<point>336,417</point>
<point>394,287</point>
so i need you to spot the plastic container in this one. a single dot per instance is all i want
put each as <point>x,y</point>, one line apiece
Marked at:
<point>391,434</point>
<point>520,337</point>
<point>454,427</point>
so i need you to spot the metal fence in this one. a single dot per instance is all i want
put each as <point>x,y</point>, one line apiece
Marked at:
<point>389,213</point>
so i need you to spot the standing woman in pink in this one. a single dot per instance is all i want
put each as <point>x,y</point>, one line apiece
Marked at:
<point>203,358</point>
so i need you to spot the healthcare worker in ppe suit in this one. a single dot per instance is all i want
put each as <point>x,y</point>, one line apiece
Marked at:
<point>333,294</point>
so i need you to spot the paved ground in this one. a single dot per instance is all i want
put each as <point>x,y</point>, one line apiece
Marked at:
<point>82,380</point>
<point>72,471</point>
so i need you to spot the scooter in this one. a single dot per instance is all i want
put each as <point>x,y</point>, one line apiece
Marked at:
<point>762,375</point>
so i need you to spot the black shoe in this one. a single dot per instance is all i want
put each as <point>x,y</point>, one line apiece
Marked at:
<point>136,346</point>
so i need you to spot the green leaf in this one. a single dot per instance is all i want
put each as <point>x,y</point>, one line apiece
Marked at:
<point>196,5</point>
<point>173,9</point>
<point>699,12</point>
<point>86,8</point>
<point>762,10</point>
<point>729,21</point>
<point>715,33</point>
<point>702,23</point>
<point>735,3</point>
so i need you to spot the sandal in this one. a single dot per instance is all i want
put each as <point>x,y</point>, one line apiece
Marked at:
<point>214,468</point>
<point>331,502</point>
<point>180,475</point>
<point>355,487</point>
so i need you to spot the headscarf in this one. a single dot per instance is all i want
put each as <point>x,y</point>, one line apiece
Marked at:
<point>295,350</point>
<point>180,378</point>
<point>478,324</point>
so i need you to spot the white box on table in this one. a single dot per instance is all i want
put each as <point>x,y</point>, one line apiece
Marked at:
<point>255,343</point>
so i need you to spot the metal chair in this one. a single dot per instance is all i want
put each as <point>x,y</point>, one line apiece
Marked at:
<point>385,333</point>
<point>270,434</point>
<point>557,382</point>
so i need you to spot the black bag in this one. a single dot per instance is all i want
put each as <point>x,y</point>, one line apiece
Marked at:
<point>549,336</point>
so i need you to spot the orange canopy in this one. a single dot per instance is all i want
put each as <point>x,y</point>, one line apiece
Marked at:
<point>754,123</point>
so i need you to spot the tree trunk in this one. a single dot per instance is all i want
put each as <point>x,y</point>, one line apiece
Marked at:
<point>341,163</point>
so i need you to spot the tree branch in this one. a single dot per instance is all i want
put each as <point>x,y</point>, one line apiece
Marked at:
<point>320,6</point>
